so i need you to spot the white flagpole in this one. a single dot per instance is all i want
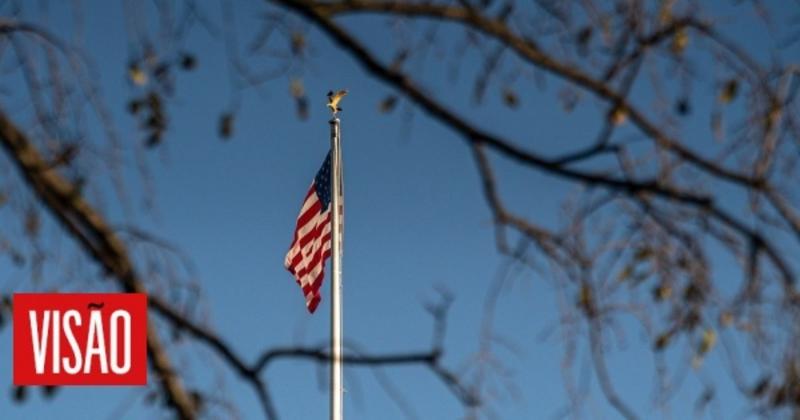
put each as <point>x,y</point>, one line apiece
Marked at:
<point>336,403</point>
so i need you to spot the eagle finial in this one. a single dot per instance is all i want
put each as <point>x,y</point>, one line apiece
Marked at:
<point>333,100</point>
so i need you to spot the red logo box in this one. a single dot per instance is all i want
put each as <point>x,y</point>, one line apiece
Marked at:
<point>80,339</point>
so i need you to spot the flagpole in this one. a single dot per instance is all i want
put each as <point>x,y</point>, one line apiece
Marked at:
<point>336,402</point>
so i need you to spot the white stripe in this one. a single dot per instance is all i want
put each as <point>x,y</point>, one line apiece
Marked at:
<point>310,201</point>
<point>311,224</point>
<point>309,256</point>
<point>308,252</point>
<point>304,231</point>
<point>310,297</point>
<point>308,279</point>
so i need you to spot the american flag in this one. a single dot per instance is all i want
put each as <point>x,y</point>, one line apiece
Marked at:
<point>311,245</point>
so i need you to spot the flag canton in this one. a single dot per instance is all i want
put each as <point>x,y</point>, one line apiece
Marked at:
<point>322,183</point>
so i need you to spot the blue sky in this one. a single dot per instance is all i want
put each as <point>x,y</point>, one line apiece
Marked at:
<point>415,221</point>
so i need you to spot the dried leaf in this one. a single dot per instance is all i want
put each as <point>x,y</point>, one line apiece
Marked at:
<point>662,292</point>
<point>136,74</point>
<point>198,399</point>
<point>302,107</point>
<point>17,258</point>
<point>297,43</point>
<point>582,39</point>
<point>154,101</point>
<point>772,117</point>
<point>49,391</point>
<point>693,293</point>
<point>510,98</point>
<point>150,398</point>
<point>134,106</point>
<point>161,70</point>
<point>585,300</point>
<point>387,104</point>
<point>156,122</point>
<point>32,223</point>
<point>726,319</point>
<point>707,342</point>
<point>153,140</point>
<point>504,13</point>
<point>705,397</point>
<point>569,99</point>
<point>164,77</point>
<point>665,11</point>
<point>679,41</point>
<point>78,182</point>
<point>19,393</point>
<point>188,61</point>
<point>298,92</point>
<point>691,320</point>
<point>177,335</point>
<point>729,91</point>
<point>642,254</point>
<point>66,155</point>
<point>778,396</point>
<point>226,125</point>
<point>662,341</point>
<point>399,59</point>
<point>716,126</point>
<point>697,361</point>
<point>682,107</point>
<point>296,88</point>
<point>760,387</point>
<point>625,274</point>
<point>617,115</point>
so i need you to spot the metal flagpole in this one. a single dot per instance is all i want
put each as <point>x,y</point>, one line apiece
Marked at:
<point>336,403</point>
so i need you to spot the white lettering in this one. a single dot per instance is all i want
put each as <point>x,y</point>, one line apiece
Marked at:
<point>126,347</point>
<point>39,342</point>
<point>77,357</point>
<point>73,344</point>
<point>95,344</point>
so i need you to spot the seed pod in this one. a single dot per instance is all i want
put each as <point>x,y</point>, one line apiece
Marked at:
<point>729,91</point>
<point>226,125</point>
<point>387,104</point>
<point>136,74</point>
<point>188,62</point>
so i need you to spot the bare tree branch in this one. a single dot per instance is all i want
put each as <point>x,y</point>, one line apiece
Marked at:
<point>89,229</point>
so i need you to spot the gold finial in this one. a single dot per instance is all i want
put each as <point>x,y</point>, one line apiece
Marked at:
<point>333,100</point>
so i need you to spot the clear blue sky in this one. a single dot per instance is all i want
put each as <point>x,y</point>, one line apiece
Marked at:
<point>416,220</point>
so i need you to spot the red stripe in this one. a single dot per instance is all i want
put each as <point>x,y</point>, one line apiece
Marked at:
<point>312,305</point>
<point>299,224</point>
<point>315,259</point>
<point>308,215</point>
<point>299,257</point>
<point>314,286</point>
<point>314,233</point>
<point>312,236</point>
<point>318,281</point>
<point>309,269</point>
<point>293,264</point>
<point>313,290</point>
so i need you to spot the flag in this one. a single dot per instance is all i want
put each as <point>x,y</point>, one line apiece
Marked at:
<point>311,245</point>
